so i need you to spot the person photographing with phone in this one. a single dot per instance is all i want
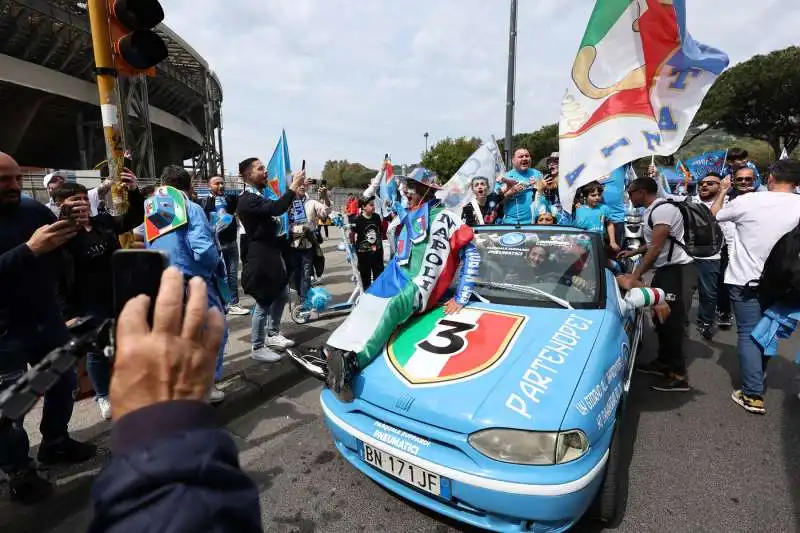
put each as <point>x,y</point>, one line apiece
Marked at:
<point>31,325</point>
<point>265,276</point>
<point>86,281</point>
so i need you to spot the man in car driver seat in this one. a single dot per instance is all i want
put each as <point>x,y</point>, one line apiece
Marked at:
<point>432,241</point>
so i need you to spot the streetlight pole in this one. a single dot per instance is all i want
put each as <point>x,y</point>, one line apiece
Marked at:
<point>512,67</point>
<point>426,141</point>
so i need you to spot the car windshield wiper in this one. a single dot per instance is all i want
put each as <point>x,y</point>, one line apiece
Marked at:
<point>524,289</point>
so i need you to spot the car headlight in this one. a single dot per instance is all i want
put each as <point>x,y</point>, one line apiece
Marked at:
<point>530,447</point>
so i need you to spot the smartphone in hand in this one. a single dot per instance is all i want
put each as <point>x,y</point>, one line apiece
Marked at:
<point>137,272</point>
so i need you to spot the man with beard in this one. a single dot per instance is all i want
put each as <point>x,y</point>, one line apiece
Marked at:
<point>264,276</point>
<point>709,288</point>
<point>31,325</point>
<point>547,199</point>
<point>485,207</point>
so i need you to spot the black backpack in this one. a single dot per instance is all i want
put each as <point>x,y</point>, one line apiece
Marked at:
<point>780,279</point>
<point>702,236</point>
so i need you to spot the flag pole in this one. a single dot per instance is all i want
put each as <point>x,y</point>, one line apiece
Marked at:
<point>512,67</point>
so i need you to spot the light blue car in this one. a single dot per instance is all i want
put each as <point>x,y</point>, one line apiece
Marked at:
<point>504,416</point>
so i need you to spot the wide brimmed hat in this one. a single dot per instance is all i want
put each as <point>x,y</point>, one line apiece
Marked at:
<point>425,177</point>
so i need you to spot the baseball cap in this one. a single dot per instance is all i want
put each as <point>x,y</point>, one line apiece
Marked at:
<point>49,177</point>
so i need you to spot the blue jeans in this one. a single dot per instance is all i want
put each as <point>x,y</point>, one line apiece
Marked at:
<point>214,300</point>
<point>230,254</point>
<point>99,369</point>
<point>707,283</point>
<point>752,362</point>
<point>302,270</point>
<point>56,412</point>
<point>268,323</point>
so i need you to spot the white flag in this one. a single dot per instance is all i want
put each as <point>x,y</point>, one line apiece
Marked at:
<point>486,162</point>
<point>637,82</point>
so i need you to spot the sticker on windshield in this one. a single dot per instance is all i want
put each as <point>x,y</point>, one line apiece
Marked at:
<point>512,240</point>
<point>438,348</point>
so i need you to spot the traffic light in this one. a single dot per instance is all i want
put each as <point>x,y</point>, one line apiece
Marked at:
<point>137,47</point>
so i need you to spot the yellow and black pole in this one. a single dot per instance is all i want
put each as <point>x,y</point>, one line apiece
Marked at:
<point>109,105</point>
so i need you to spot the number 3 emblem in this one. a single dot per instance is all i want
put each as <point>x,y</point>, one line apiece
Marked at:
<point>454,335</point>
<point>435,348</point>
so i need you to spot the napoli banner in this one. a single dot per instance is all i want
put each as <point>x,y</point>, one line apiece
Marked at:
<point>701,165</point>
<point>637,82</point>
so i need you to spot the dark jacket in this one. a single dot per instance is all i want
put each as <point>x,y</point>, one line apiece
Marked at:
<point>228,235</point>
<point>31,323</point>
<point>173,470</point>
<point>264,273</point>
<point>86,282</point>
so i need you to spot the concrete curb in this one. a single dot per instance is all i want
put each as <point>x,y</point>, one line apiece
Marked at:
<point>255,385</point>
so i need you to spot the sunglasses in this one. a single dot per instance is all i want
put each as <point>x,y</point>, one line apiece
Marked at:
<point>744,180</point>
<point>707,183</point>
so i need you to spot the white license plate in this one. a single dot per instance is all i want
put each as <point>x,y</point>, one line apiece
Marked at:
<point>405,471</point>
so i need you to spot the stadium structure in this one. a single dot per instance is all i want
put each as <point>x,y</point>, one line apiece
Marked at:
<point>49,99</point>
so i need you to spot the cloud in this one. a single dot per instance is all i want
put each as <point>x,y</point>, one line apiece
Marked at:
<point>351,79</point>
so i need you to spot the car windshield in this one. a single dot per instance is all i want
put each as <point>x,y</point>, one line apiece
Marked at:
<point>543,266</point>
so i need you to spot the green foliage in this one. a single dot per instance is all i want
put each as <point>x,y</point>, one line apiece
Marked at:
<point>759,98</point>
<point>541,143</point>
<point>345,174</point>
<point>447,156</point>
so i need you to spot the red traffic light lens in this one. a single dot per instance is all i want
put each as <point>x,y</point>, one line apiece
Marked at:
<point>142,49</point>
<point>138,14</point>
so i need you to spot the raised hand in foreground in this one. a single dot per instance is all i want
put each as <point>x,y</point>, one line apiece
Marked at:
<point>172,360</point>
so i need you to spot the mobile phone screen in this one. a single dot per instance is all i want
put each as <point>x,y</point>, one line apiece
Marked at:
<point>137,272</point>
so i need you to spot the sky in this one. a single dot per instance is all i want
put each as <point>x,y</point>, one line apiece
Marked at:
<point>354,79</point>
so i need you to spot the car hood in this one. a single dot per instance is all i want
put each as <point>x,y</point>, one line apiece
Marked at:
<point>487,366</point>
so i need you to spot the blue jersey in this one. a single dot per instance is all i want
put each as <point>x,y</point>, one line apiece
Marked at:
<point>592,218</point>
<point>517,209</point>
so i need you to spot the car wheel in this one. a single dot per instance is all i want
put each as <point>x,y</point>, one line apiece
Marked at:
<point>605,507</point>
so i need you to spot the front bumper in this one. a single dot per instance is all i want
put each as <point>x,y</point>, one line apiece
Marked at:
<point>484,493</point>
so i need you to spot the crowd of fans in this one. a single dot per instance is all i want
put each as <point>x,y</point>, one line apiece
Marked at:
<point>58,255</point>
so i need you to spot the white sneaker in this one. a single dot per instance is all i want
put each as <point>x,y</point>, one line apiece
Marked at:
<point>216,395</point>
<point>265,355</point>
<point>238,311</point>
<point>105,408</point>
<point>278,341</point>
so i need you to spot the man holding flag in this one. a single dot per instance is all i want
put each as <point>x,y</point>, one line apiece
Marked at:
<point>264,276</point>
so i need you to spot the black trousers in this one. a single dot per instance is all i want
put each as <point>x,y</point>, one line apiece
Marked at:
<point>370,266</point>
<point>677,280</point>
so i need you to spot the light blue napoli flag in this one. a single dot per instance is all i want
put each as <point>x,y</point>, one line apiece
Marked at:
<point>701,165</point>
<point>278,171</point>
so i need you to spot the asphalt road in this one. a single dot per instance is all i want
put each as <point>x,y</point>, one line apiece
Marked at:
<point>697,462</point>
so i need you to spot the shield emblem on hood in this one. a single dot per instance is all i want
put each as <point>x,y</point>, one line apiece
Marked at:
<point>439,348</point>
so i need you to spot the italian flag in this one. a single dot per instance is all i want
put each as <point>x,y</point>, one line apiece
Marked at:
<point>437,347</point>
<point>637,82</point>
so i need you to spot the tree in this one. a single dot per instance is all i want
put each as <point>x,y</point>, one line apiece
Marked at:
<point>759,98</point>
<point>447,156</point>
<point>541,143</point>
<point>347,175</point>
